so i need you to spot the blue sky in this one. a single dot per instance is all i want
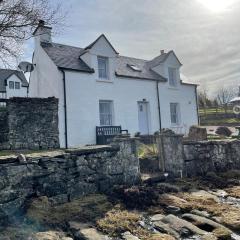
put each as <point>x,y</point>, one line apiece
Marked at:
<point>206,39</point>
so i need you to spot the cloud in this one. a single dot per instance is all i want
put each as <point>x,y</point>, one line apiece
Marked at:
<point>206,42</point>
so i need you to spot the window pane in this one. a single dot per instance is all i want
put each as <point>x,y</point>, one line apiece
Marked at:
<point>105,111</point>
<point>102,67</point>
<point>174,110</point>
<point>172,76</point>
<point>11,84</point>
<point>17,85</point>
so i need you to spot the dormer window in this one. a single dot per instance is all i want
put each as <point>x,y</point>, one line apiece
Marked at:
<point>103,67</point>
<point>172,76</point>
<point>134,67</point>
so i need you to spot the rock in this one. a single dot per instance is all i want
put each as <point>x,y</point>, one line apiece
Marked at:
<point>171,200</point>
<point>50,235</point>
<point>201,213</point>
<point>129,236</point>
<point>85,231</point>
<point>223,131</point>
<point>208,225</point>
<point>197,133</point>
<point>156,217</point>
<point>22,158</point>
<point>165,228</point>
<point>91,234</point>
<point>180,225</point>
<point>173,209</point>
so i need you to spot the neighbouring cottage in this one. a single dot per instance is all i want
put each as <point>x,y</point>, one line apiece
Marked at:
<point>98,87</point>
<point>13,83</point>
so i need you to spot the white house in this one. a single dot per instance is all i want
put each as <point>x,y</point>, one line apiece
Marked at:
<point>96,86</point>
<point>12,84</point>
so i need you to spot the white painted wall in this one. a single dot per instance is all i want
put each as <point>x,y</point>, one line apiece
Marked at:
<point>22,92</point>
<point>46,80</point>
<point>85,90</point>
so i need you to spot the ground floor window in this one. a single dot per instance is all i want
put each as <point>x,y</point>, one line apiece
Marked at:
<point>106,112</point>
<point>175,113</point>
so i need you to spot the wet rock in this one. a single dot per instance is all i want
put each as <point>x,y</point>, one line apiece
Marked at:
<point>129,236</point>
<point>180,225</point>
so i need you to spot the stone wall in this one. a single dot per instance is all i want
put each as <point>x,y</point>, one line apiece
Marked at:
<point>3,128</point>
<point>211,156</point>
<point>66,175</point>
<point>193,158</point>
<point>31,123</point>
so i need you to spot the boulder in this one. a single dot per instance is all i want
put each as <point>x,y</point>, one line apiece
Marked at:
<point>224,131</point>
<point>197,133</point>
<point>181,226</point>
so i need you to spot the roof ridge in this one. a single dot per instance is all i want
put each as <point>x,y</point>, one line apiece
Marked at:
<point>134,58</point>
<point>66,45</point>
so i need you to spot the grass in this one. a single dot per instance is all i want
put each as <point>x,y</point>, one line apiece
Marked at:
<point>222,121</point>
<point>147,150</point>
<point>117,222</point>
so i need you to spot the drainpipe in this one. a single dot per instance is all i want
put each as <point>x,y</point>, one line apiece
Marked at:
<point>197,108</point>
<point>65,108</point>
<point>159,107</point>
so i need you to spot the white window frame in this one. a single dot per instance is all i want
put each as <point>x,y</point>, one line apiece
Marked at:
<point>11,82</point>
<point>105,75</point>
<point>106,118</point>
<point>172,76</point>
<point>17,83</point>
<point>175,115</point>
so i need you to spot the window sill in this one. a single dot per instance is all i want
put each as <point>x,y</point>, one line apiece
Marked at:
<point>105,81</point>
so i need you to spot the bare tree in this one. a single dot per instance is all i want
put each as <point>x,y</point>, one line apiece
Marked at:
<point>224,96</point>
<point>18,19</point>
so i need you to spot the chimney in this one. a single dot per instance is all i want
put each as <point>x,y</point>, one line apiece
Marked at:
<point>162,52</point>
<point>43,32</point>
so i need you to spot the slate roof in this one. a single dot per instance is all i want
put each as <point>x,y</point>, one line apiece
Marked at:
<point>68,57</point>
<point>6,73</point>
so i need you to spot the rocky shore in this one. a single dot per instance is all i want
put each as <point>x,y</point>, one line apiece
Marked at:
<point>205,208</point>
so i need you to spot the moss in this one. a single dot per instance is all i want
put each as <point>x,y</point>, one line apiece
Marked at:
<point>86,209</point>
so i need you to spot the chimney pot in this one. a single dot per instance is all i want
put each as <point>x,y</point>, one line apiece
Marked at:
<point>162,51</point>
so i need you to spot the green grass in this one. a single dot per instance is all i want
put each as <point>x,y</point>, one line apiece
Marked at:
<point>209,122</point>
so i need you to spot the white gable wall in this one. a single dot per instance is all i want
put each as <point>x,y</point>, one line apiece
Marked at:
<point>22,92</point>
<point>46,80</point>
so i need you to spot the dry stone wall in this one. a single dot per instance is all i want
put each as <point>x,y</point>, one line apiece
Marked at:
<point>66,175</point>
<point>30,123</point>
<point>193,158</point>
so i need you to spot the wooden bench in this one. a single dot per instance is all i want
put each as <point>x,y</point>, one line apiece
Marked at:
<point>105,134</point>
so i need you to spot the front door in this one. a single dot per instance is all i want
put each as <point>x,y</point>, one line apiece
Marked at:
<point>143,117</point>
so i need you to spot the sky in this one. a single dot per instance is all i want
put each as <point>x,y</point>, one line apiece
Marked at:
<point>205,34</point>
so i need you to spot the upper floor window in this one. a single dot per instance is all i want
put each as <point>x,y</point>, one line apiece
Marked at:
<point>103,67</point>
<point>106,113</point>
<point>11,84</point>
<point>175,113</point>
<point>17,85</point>
<point>172,74</point>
